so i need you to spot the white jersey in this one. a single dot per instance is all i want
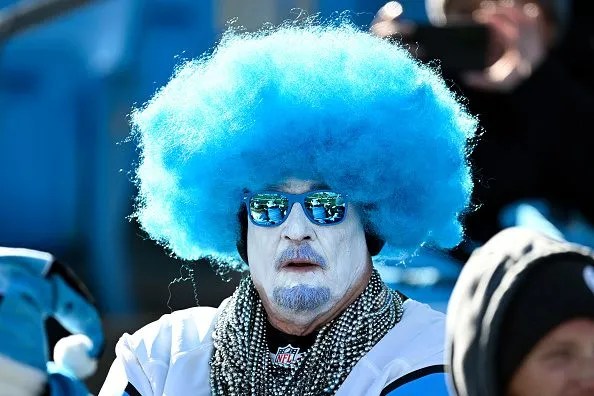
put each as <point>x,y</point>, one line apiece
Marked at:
<point>171,355</point>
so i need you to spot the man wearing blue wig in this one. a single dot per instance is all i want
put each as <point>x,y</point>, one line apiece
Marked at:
<point>298,152</point>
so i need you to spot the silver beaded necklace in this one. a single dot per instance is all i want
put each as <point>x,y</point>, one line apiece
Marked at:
<point>241,363</point>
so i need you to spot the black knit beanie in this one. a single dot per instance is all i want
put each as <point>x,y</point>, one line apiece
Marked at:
<point>553,290</point>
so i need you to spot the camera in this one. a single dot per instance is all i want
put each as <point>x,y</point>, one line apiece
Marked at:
<point>456,46</point>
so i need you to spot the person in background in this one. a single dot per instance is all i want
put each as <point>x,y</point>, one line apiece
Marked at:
<point>520,321</point>
<point>531,100</point>
<point>312,316</point>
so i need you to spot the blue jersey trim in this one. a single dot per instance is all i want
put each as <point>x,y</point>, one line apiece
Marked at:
<point>428,380</point>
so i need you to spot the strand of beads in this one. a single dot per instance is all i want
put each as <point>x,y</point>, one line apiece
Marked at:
<point>240,331</point>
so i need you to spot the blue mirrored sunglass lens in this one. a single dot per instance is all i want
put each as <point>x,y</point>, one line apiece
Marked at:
<point>325,207</point>
<point>268,209</point>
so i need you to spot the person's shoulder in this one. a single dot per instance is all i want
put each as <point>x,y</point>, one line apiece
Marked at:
<point>419,314</point>
<point>177,332</point>
<point>196,319</point>
<point>149,360</point>
<point>410,357</point>
<point>415,342</point>
<point>416,345</point>
<point>420,324</point>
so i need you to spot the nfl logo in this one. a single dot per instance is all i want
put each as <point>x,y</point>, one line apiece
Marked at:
<point>286,354</point>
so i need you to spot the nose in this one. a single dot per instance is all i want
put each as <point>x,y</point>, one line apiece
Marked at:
<point>586,374</point>
<point>297,227</point>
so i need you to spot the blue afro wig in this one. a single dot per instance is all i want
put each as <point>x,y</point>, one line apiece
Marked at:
<point>324,102</point>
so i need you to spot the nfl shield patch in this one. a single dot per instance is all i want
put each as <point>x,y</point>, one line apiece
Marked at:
<point>288,354</point>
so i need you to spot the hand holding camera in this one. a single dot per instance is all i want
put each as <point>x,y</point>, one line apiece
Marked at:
<point>519,43</point>
<point>493,47</point>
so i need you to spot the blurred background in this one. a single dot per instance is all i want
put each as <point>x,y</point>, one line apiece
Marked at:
<point>68,82</point>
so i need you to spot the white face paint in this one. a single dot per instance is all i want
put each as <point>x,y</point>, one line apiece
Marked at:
<point>325,263</point>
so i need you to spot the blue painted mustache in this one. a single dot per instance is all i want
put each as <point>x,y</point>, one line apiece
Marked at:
<point>302,252</point>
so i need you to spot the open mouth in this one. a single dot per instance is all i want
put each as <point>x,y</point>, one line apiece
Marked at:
<point>297,265</point>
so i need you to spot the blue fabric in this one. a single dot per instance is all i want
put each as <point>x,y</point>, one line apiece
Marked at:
<point>544,217</point>
<point>63,383</point>
<point>533,214</point>
<point>33,286</point>
<point>25,305</point>
<point>432,384</point>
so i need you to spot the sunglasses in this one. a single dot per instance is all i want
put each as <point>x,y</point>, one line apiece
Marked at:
<point>270,209</point>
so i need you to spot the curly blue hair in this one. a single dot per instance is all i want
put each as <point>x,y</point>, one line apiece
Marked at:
<point>325,102</point>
